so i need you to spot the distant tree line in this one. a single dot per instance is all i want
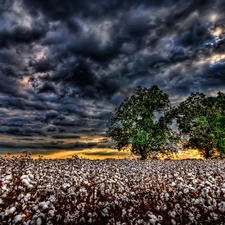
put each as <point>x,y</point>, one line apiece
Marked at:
<point>147,123</point>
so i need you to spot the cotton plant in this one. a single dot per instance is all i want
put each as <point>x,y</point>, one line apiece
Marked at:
<point>111,191</point>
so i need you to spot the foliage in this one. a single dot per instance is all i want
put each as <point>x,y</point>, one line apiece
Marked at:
<point>201,118</point>
<point>219,129</point>
<point>139,123</point>
<point>142,122</point>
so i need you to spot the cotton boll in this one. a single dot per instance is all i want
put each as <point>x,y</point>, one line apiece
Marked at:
<point>153,219</point>
<point>35,208</point>
<point>180,179</point>
<point>214,216</point>
<point>173,184</point>
<point>8,177</point>
<point>38,221</point>
<point>124,212</point>
<point>12,210</point>
<point>172,213</point>
<point>27,197</point>
<point>31,176</point>
<point>160,218</point>
<point>25,182</point>
<point>173,222</point>
<point>221,206</point>
<point>18,218</point>
<point>45,206</point>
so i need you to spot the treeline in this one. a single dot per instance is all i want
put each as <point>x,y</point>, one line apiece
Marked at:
<point>147,123</point>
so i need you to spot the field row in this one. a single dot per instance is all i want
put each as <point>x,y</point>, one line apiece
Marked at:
<point>111,191</point>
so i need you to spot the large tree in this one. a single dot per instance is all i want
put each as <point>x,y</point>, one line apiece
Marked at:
<point>201,119</point>
<point>139,124</point>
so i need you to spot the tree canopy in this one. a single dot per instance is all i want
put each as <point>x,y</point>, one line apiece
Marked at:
<point>143,121</point>
<point>200,118</point>
<point>138,122</point>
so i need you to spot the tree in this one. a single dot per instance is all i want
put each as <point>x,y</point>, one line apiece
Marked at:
<point>199,117</point>
<point>202,136</point>
<point>138,122</point>
<point>219,129</point>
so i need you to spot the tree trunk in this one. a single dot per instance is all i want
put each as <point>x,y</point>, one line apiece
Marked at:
<point>207,153</point>
<point>143,153</point>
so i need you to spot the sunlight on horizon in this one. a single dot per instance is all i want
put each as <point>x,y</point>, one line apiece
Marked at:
<point>95,154</point>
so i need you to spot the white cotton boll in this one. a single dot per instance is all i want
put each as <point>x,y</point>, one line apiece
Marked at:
<point>31,176</point>
<point>214,203</point>
<point>167,196</point>
<point>214,216</point>
<point>8,177</point>
<point>173,222</point>
<point>140,221</point>
<point>191,217</point>
<point>153,219</point>
<point>25,182</point>
<point>30,186</point>
<point>160,218</point>
<point>24,177</point>
<point>51,212</point>
<point>105,212</point>
<point>6,212</point>
<point>4,188</point>
<point>186,190</point>
<point>124,212</point>
<point>208,183</point>
<point>221,206</point>
<point>45,206</point>
<point>196,201</point>
<point>180,179</point>
<point>12,210</point>
<point>172,213</point>
<point>52,198</point>
<point>27,197</point>
<point>18,218</point>
<point>173,184</point>
<point>164,207</point>
<point>194,181</point>
<point>38,221</point>
<point>1,201</point>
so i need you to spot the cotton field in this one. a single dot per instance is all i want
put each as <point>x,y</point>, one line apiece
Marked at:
<point>76,191</point>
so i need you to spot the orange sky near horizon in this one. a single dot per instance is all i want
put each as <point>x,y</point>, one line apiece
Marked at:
<point>94,154</point>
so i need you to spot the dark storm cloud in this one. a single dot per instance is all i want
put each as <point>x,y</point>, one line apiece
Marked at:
<point>65,65</point>
<point>65,136</point>
<point>48,145</point>
<point>7,85</point>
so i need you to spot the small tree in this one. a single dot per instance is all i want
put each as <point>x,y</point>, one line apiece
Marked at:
<point>200,118</point>
<point>202,136</point>
<point>219,128</point>
<point>136,125</point>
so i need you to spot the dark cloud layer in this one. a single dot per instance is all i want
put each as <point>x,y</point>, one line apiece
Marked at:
<point>65,65</point>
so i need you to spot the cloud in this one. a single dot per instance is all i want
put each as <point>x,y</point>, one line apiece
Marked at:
<point>48,145</point>
<point>65,65</point>
<point>65,136</point>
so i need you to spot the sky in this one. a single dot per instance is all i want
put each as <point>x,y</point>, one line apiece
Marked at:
<point>66,65</point>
